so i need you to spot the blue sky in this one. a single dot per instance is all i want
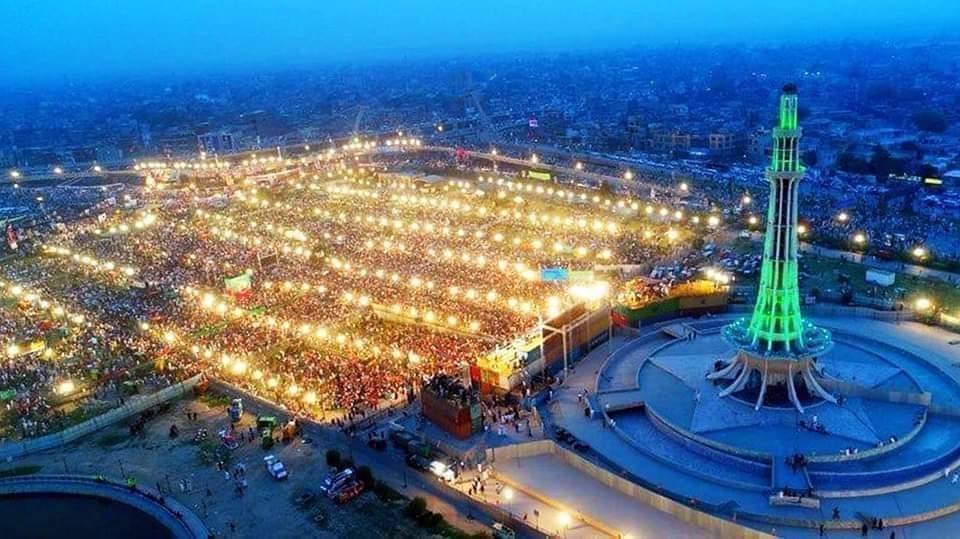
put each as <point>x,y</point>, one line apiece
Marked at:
<point>40,39</point>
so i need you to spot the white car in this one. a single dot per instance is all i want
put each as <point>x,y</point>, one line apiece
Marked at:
<point>442,471</point>
<point>275,467</point>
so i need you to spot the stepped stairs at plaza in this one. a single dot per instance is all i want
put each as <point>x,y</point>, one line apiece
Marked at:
<point>785,477</point>
<point>899,469</point>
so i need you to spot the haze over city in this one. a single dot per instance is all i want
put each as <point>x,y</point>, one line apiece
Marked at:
<point>480,269</point>
<point>47,39</point>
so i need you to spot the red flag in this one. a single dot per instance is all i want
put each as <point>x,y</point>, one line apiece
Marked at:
<point>11,237</point>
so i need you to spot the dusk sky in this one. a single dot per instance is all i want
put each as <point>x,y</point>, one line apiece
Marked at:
<point>54,38</point>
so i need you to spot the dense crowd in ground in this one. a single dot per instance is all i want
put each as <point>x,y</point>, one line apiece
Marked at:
<point>361,286</point>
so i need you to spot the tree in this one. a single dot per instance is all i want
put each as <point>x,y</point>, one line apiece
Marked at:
<point>333,458</point>
<point>849,162</point>
<point>365,474</point>
<point>416,507</point>
<point>880,163</point>
<point>927,170</point>
<point>930,120</point>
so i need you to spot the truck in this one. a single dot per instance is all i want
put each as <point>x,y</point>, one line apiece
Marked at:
<point>333,482</point>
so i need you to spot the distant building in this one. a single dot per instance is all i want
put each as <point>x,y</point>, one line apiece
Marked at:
<point>178,142</point>
<point>951,181</point>
<point>722,143</point>
<point>671,141</point>
<point>758,141</point>
<point>262,125</point>
<point>217,142</point>
<point>108,153</point>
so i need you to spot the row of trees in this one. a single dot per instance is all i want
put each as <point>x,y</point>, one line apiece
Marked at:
<point>882,165</point>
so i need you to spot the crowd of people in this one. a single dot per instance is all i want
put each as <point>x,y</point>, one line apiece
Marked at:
<point>360,287</point>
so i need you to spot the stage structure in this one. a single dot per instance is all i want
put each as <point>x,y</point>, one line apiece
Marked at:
<point>776,349</point>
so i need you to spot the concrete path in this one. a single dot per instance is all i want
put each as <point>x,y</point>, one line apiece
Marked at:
<point>582,493</point>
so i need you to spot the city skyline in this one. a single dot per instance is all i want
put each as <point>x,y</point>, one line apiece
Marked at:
<point>62,41</point>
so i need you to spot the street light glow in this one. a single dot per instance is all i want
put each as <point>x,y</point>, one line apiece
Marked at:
<point>65,388</point>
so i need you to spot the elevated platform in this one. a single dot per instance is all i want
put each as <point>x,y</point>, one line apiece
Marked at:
<point>886,435</point>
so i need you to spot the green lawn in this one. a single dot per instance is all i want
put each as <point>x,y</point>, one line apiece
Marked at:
<point>20,470</point>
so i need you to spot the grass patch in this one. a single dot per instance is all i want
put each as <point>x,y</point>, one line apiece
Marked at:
<point>824,273</point>
<point>20,470</point>
<point>215,399</point>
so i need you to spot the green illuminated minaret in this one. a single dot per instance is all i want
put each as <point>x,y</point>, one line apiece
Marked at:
<point>776,343</point>
<point>776,324</point>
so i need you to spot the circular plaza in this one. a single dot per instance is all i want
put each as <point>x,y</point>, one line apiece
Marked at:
<point>886,449</point>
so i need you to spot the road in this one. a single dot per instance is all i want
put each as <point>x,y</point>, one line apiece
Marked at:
<point>389,466</point>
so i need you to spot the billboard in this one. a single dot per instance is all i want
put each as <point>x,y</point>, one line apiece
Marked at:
<point>554,274</point>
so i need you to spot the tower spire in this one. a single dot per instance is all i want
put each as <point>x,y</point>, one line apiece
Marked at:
<point>776,325</point>
<point>776,337</point>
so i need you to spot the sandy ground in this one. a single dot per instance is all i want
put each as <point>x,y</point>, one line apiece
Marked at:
<point>266,509</point>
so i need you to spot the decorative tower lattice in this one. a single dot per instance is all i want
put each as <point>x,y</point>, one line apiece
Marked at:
<point>775,346</point>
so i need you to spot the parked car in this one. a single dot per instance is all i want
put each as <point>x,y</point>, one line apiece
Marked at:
<point>563,435</point>
<point>419,448</point>
<point>500,531</point>
<point>442,471</point>
<point>333,481</point>
<point>401,438</point>
<point>275,468</point>
<point>418,462</point>
<point>583,447</point>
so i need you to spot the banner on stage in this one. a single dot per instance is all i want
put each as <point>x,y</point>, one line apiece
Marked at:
<point>554,274</point>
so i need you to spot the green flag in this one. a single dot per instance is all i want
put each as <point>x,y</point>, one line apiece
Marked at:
<point>239,283</point>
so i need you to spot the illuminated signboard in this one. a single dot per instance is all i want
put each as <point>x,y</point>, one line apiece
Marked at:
<point>554,274</point>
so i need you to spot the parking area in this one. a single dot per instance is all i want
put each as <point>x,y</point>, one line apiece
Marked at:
<point>233,491</point>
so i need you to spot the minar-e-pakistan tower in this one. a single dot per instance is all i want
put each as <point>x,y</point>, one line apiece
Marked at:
<point>776,349</point>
